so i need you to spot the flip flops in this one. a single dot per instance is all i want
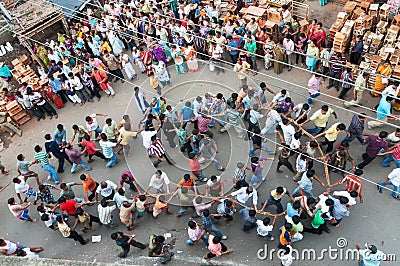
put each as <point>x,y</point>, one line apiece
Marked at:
<point>9,47</point>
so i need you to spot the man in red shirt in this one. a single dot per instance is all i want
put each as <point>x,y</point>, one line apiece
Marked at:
<point>69,206</point>
<point>195,167</point>
<point>353,183</point>
<point>91,149</point>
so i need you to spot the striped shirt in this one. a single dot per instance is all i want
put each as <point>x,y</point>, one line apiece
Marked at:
<point>353,183</point>
<point>107,147</point>
<point>337,64</point>
<point>42,157</point>
<point>203,123</point>
<point>157,148</point>
<point>396,153</point>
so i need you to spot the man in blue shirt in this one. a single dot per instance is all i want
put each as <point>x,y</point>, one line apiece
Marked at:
<point>60,135</point>
<point>358,48</point>
<point>56,87</point>
<point>232,47</point>
<point>383,112</point>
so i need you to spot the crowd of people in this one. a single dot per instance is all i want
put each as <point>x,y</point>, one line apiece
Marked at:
<point>90,59</point>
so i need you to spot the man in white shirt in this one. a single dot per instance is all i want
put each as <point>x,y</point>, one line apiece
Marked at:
<point>243,194</point>
<point>157,182</point>
<point>289,46</point>
<point>393,179</point>
<point>280,97</point>
<point>105,211</point>
<point>286,17</point>
<point>272,121</point>
<point>106,189</point>
<point>288,130</point>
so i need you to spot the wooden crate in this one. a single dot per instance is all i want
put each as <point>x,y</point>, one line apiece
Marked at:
<point>373,10</point>
<point>364,5</point>
<point>384,12</point>
<point>349,7</point>
<point>18,115</point>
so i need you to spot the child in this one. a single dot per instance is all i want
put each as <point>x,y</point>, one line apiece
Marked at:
<point>154,83</point>
<point>264,228</point>
<point>257,168</point>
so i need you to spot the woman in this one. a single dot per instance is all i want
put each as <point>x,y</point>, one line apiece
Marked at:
<point>116,44</point>
<point>319,36</point>
<point>279,56</point>
<point>268,51</point>
<point>191,60</point>
<point>41,52</point>
<point>229,27</point>
<point>102,80</point>
<point>126,63</point>
<point>261,36</point>
<point>158,52</point>
<point>252,26</point>
<point>312,55</point>
<point>381,79</point>
<point>295,29</point>
<point>161,72</point>
<point>311,28</point>
<point>178,57</point>
<point>301,46</point>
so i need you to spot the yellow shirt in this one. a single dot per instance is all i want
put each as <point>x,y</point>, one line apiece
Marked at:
<point>153,82</point>
<point>320,120</point>
<point>332,132</point>
<point>64,229</point>
<point>125,135</point>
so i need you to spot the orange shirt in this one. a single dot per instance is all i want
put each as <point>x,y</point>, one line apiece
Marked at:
<point>183,183</point>
<point>89,184</point>
<point>194,166</point>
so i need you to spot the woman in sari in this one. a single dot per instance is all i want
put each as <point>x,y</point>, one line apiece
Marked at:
<point>295,29</point>
<point>300,48</point>
<point>178,57</point>
<point>381,79</point>
<point>268,52</point>
<point>41,52</point>
<point>312,55</point>
<point>311,28</point>
<point>261,37</point>
<point>279,56</point>
<point>158,52</point>
<point>319,36</point>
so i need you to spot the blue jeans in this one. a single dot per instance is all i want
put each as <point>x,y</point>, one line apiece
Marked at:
<point>200,175</point>
<point>131,185</point>
<point>51,171</point>
<point>395,188</point>
<point>215,230</point>
<point>253,149</point>
<point>316,130</point>
<point>308,193</point>
<point>84,165</point>
<point>79,200</point>
<point>277,203</point>
<point>249,227</point>
<point>389,159</point>
<point>113,161</point>
<point>312,96</point>
<point>281,25</point>
<point>256,178</point>
<point>352,137</point>
<point>97,132</point>
<point>191,242</point>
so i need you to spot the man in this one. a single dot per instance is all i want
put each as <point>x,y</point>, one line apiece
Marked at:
<point>249,219</point>
<point>79,131</point>
<point>53,148</point>
<point>340,210</point>
<point>20,211</point>
<point>195,167</point>
<point>288,44</point>
<point>56,87</point>
<point>8,248</point>
<point>184,200</point>
<point>157,182</point>
<point>215,186</point>
<point>105,211</point>
<point>23,168</point>
<point>68,193</point>
<point>207,145</point>
<point>69,206</point>
<point>42,158</point>
<point>393,154</point>
<point>22,187</point>
<point>257,143</point>
<point>157,150</point>
<point>356,128</point>
<point>60,136</point>
<point>305,184</point>
<point>208,225</point>
<point>326,55</point>
<point>225,209</point>
<point>331,135</point>
<point>76,158</point>
<point>168,129</point>
<point>234,117</point>
<point>106,189</point>
<point>44,194</point>
<point>111,130</point>
<point>273,118</point>
<point>242,68</point>
<point>393,179</point>
<point>359,87</point>
<point>107,147</point>
<point>286,17</point>
<point>113,66</point>
<point>347,78</point>
<point>125,242</point>
<point>196,233</point>
<point>243,194</point>
<point>383,112</point>
<point>370,255</point>
<point>357,50</point>
<point>216,247</point>
<point>67,232</point>
<point>89,185</point>
<point>10,128</point>
<point>128,178</point>
<point>92,126</point>
<point>232,47</point>
<point>337,64</point>
<point>314,89</point>
<point>276,197</point>
<point>376,144</point>
<point>320,119</point>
